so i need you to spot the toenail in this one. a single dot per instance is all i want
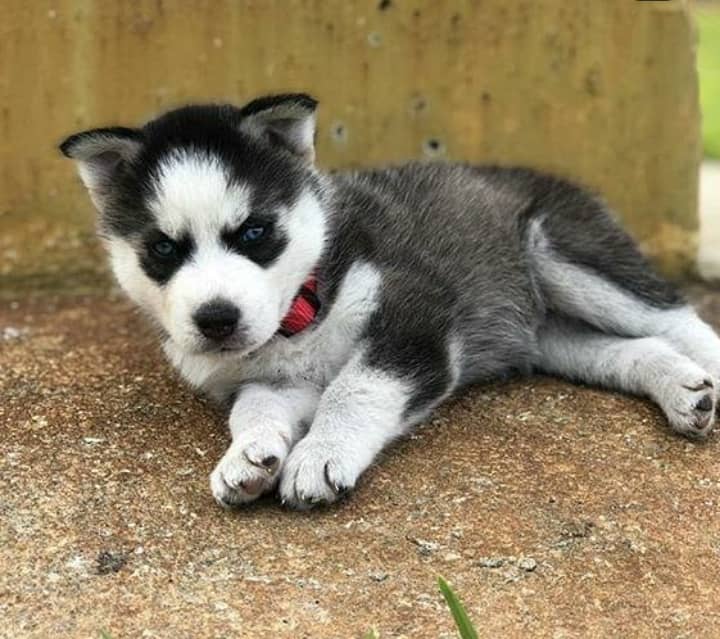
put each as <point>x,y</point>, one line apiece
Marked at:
<point>705,404</point>
<point>337,488</point>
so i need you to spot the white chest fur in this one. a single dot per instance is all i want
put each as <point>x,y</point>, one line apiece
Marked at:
<point>313,357</point>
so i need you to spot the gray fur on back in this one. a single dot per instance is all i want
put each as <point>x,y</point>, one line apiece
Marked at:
<point>455,239</point>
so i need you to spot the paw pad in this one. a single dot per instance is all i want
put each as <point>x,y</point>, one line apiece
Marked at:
<point>252,486</point>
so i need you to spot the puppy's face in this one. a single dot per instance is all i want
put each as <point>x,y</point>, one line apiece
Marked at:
<point>211,216</point>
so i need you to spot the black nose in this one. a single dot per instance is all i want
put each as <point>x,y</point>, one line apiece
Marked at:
<point>217,320</point>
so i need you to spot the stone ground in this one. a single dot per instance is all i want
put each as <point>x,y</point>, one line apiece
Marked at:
<point>554,510</point>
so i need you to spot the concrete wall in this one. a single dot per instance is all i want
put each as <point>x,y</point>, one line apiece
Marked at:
<point>602,91</point>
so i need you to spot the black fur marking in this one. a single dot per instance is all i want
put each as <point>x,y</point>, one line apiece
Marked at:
<point>263,251</point>
<point>125,213</point>
<point>159,268</point>
<point>214,131</point>
<point>583,232</point>
<point>408,334</point>
<point>349,242</point>
<point>413,352</point>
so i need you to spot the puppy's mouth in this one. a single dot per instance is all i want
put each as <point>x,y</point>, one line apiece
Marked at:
<point>229,349</point>
<point>225,349</point>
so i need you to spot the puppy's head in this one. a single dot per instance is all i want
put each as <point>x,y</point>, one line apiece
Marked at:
<point>211,216</point>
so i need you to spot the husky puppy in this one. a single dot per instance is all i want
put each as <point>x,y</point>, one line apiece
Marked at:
<point>334,311</point>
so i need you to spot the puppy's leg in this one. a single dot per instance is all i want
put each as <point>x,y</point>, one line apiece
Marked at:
<point>265,423</point>
<point>644,366</point>
<point>626,299</point>
<point>408,362</point>
<point>688,334</point>
<point>362,410</point>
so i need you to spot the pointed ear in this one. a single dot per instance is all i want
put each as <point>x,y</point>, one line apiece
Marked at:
<point>284,120</point>
<point>99,154</point>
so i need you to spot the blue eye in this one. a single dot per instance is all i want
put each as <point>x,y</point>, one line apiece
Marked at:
<point>253,233</point>
<point>164,248</point>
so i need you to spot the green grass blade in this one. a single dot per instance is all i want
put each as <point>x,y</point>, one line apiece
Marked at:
<point>462,621</point>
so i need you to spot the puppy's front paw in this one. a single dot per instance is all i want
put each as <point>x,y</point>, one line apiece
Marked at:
<point>317,472</point>
<point>249,468</point>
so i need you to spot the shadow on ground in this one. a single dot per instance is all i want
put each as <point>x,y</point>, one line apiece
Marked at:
<point>554,510</point>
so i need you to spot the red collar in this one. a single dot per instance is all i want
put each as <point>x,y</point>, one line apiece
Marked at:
<point>303,309</point>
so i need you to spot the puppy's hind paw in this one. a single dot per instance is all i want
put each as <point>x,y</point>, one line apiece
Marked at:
<point>690,406</point>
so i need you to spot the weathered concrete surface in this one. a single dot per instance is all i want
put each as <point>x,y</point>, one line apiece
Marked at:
<point>106,521</point>
<point>605,92</point>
